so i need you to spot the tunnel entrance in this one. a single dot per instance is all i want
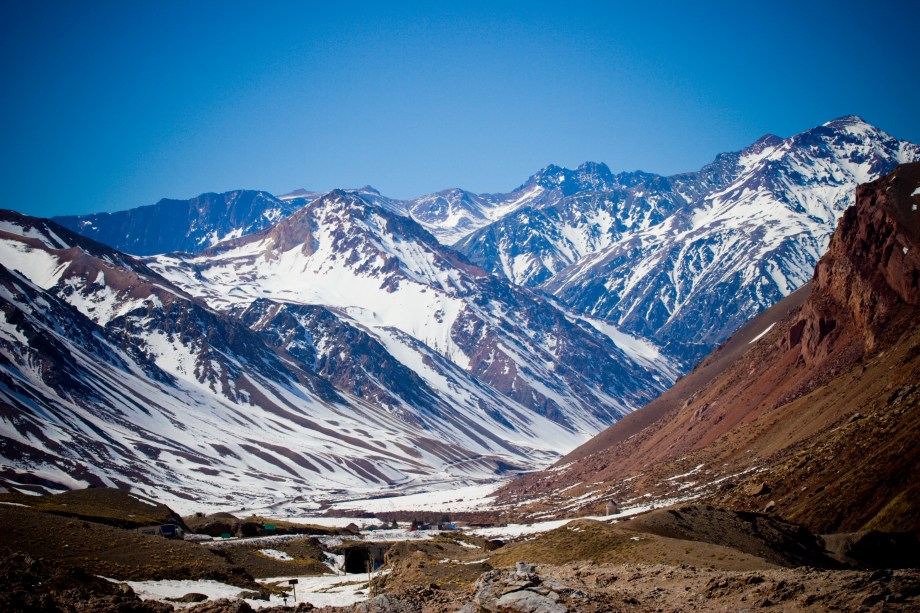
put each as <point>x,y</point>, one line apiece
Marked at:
<point>358,556</point>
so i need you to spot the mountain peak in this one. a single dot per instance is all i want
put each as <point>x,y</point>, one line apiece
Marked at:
<point>767,140</point>
<point>804,381</point>
<point>593,174</point>
<point>550,171</point>
<point>596,168</point>
<point>847,120</point>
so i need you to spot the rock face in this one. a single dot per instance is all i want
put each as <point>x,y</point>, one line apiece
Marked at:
<point>871,272</point>
<point>521,590</point>
<point>811,411</point>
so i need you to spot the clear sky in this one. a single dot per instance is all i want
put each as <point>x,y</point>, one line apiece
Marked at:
<point>112,105</point>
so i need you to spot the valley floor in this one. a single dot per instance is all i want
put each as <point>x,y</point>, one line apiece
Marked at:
<point>62,557</point>
<point>592,587</point>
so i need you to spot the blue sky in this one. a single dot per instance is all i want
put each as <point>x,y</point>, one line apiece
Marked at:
<point>111,105</point>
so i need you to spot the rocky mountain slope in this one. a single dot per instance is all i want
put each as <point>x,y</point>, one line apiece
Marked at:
<point>810,411</point>
<point>392,288</point>
<point>685,260</point>
<point>344,351</point>
<point>114,376</point>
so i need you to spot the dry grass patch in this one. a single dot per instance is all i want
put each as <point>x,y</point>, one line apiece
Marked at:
<point>307,559</point>
<point>103,505</point>
<point>112,552</point>
<point>601,543</point>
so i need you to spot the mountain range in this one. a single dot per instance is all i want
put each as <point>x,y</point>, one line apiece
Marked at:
<point>312,345</point>
<point>679,260</point>
<point>253,372</point>
<point>810,411</point>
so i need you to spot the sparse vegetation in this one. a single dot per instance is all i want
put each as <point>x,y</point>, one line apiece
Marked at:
<point>104,505</point>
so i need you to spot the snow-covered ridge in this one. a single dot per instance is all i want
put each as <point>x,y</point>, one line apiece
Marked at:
<point>684,260</point>
<point>393,281</point>
<point>180,401</point>
<point>241,375</point>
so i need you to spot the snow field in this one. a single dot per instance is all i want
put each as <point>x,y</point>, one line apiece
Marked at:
<point>326,590</point>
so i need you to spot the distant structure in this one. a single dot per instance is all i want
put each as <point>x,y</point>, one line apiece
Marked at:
<point>612,508</point>
<point>169,531</point>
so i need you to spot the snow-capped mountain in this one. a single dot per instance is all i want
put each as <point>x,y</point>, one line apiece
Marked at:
<point>186,225</point>
<point>687,259</point>
<point>451,214</point>
<point>814,401</point>
<point>532,243</point>
<point>114,375</point>
<point>454,214</point>
<point>383,273</point>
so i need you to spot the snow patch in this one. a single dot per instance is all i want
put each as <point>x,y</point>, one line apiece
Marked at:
<point>451,500</point>
<point>40,267</point>
<point>277,555</point>
<point>762,334</point>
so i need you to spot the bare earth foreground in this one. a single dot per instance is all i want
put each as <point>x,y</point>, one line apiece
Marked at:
<point>77,552</point>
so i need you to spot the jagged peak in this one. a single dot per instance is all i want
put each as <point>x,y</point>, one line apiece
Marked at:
<point>367,189</point>
<point>594,168</point>
<point>550,168</point>
<point>552,171</point>
<point>338,192</point>
<point>360,202</point>
<point>541,176</point>
<point>847,120</point>
<point>553,174</point>
<point>767,140</point>
<point>450,191</point>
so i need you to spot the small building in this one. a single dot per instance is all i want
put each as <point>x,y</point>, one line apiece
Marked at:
<point>169,531</point>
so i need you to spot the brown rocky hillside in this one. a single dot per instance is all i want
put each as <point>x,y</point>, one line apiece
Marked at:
<point>811,411</point>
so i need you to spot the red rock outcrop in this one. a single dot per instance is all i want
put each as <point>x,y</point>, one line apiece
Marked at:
<point>871,270</point>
